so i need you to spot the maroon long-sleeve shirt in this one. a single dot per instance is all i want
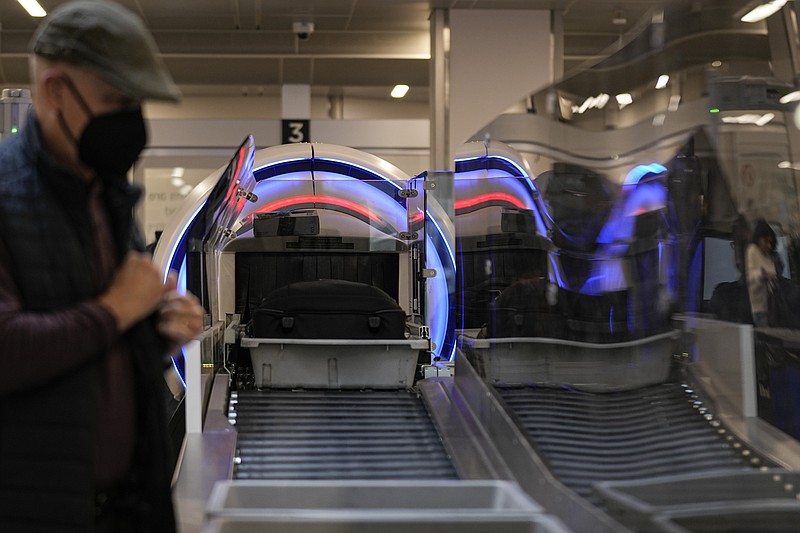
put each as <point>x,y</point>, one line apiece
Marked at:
<point>39,347</point>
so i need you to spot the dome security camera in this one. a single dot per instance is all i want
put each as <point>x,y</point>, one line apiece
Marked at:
<point>303,30</point>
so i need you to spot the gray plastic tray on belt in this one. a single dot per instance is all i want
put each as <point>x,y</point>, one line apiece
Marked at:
<point>368,506</point>
<point>334,363</point>
<point>689,496</point>
<point>585,366</point>
<point>753,517</point>
<point>446,523</point>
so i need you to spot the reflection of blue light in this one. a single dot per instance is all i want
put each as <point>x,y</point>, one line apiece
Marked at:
<point>450,253</point>
<point>540,226</point>
<point>521,171</point>
<point>182,277</point>
<point>513,164</point>
<point>179,243</point>
<point>179,371</point>
<point>621,223</point>
<point>555,274</point>
<point>611,319</point>
<point>347,187</point>
<point>589,285</point>
<point>267,190</point>
<point>640,171</point>
<point>485,161</point>
<point>614,250</point>
<point>438,304</point>
<point>182,289</point>
<point>466,185</point>
<point>282,162</point>
<point>489,161</point>
<point>618,229</point>
<point>315,165</point>
<point>646,197</point>
<point>607,276</point>
<point>439,322</point>
<point>371,172</point>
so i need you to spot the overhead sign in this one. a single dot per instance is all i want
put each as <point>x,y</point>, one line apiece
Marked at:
<point>295,131</point>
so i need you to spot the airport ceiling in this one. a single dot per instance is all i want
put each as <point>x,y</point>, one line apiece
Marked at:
<point>358,47</point>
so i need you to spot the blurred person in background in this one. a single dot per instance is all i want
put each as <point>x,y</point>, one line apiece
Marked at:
<point>761,272</point>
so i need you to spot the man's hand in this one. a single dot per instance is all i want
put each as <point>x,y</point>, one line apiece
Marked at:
<point>180,317</point>
<point>135,291</point>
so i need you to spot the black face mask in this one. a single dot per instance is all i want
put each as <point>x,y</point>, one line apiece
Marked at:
<point>111,143</point>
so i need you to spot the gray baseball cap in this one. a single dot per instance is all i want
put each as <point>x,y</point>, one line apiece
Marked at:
<point>110,40</point>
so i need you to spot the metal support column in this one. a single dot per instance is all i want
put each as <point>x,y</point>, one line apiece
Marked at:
<point>440,158</point>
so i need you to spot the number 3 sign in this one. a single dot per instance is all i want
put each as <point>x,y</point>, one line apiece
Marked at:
<point>295,131</point>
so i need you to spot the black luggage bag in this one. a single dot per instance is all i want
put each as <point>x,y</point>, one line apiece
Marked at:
<point>329,309</point>
<point>522,310</point>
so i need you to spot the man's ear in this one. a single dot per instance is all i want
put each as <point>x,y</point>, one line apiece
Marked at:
<point>51,87</point>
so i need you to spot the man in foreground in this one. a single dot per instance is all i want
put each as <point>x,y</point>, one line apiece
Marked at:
<point>86,322</point>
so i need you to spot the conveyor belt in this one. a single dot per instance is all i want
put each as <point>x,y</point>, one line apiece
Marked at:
<point>590,437</point>
<point>288,434</point>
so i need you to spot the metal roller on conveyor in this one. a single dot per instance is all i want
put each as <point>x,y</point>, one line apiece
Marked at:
<point>586,438</point>
<point>336,434</point>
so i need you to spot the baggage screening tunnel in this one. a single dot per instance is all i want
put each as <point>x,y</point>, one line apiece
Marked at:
<point>538,346</point>
<point>286,219</point>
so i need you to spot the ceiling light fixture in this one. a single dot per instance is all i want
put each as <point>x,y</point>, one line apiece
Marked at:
<point>750,118</point>
<point>793,96</point>
<point>593,102</point>
<point>662,82</point>
<point>399,91</point>
<point>762,11</point>
<point>624,99</point>
<point>33,8</point>
<point>765,119</point>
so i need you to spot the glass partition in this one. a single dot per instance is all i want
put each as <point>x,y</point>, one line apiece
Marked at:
<point>627,237</point>
<point>433,269</point>
<point>317,224</point>
<point>653,166</point>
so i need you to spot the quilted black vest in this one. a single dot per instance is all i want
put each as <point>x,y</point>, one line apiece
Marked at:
<point>46,435</point>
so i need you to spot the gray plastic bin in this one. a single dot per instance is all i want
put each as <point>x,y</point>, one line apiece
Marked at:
<point>753,517</point>
<point>591,367</point>
<point>376,506</point>
<point>446,523</point>
<point>334,363</point>
<point>638,503</point>
<point>247,497</point>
